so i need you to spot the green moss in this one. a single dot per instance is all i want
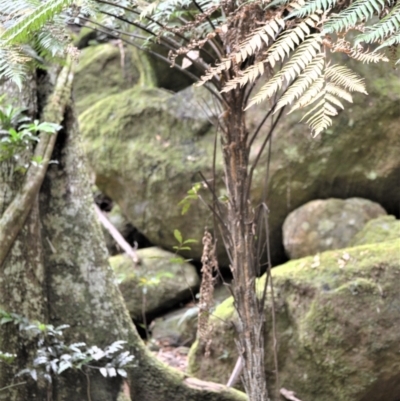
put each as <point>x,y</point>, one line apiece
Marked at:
<point>167,283</point>
<point>335,317</point>
<point>382,229</point>
<point>100,73</point>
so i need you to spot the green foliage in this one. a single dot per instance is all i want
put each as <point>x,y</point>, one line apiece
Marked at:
<point>54,356</point>
<point>17,133</point>
<point>186,202</point>
<point>183,244</point>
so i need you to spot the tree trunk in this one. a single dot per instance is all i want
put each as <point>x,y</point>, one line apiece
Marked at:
<point>57,272</point>
<point>241,226</point>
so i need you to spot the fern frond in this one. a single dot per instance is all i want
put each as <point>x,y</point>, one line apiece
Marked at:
<point>13,64</point>
<point>290,40</point>
<point>310,7</point>
<point>357,11</point>
<point>313,93</point>
<point>303,56</point>
<point>277,3</point>
<point>393,40</point>
<point>338,92</point>
<point>304,81</point>
<point>367,57</point>
<point>215,71</point>
<point>382,29</point>
<point>20,32</point>
<point>246,77</point>
<point>334,100</point>
<point>247,48</point>
<point>255,41</point>
<point>320,118</point>
<point>346,78</point>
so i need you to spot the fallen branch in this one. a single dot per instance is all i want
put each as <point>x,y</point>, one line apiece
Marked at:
<point>289,395</point>
<point>17,212</point>
<point>119,239</point>
<point>237,370</point>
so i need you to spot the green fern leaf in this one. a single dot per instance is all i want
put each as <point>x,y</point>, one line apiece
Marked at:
<point>310,7</point>
<point>33,21</point>
<point>391,41</point>
<point>382,29</point>
<point>357,11</point>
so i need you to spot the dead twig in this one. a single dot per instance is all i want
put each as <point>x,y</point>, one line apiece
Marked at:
<point>289,395</point>
<point>119,239</point>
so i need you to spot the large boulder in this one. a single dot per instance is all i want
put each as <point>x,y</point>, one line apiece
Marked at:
<point>106,69</point>
<point>321,225</point>
<point>156,284</point>
<point>337,327</point>
<point>146,147</point>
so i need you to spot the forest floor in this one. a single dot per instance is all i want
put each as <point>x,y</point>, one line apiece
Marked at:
<point>176,357</point>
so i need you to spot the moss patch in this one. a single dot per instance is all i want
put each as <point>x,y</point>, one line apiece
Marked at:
<point>338,326</point>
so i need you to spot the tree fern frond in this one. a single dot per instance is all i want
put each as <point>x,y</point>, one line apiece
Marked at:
<point>383,28</point>
<point>338,92</point>
<point>334,100</point>
<point>358,10</point>
<point>290,40</point>
<point>33,21</point>
<point>346,78</point>
<point>303,56</point>
<point>255,41</point>
<point>311,7</point>
<point>277,3</point>
<point>246,49</point>
<point>246,77</point>
<point>304,81</point>
<point>393,40</point>
<point>367,57</point>
<point>313,93</point>
<point>320,118</point>
<point>215,71</point>
<point>13,64</point>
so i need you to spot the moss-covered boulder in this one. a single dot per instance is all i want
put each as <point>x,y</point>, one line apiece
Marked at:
<point>147,146</point>
<point>384,228</point>
<point>177,328</point>
<point>337,325</point>
<point>106,69</point>
<point>322,225</point>
<point>156,284</point>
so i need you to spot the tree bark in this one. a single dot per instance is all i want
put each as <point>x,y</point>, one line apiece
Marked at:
<point>57,272</point>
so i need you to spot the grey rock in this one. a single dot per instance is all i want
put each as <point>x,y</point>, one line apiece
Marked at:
<point>321,225</point>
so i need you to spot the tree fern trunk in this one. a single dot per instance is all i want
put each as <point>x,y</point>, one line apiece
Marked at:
<point>241,227</point>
